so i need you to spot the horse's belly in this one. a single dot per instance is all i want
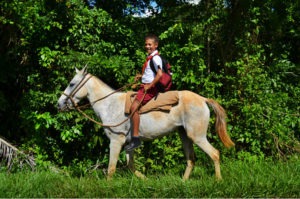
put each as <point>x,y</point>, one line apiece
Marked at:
<point>157,124</point>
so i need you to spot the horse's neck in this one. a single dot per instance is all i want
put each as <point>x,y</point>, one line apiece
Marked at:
<point>107,107</point>
<point>97,89</point>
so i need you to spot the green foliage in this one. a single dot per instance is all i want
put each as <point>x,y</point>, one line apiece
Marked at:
<point>243,54</point>
<point>162,153</point>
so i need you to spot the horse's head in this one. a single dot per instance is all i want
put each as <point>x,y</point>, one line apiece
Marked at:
<point>75,91</point>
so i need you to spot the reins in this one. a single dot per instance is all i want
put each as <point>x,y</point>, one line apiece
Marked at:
<point>110,125</point>
<point>78,108</point>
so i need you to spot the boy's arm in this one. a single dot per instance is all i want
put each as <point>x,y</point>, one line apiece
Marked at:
<point>155,81</point>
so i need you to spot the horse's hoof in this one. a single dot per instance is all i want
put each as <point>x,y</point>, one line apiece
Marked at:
<point>140,175</point>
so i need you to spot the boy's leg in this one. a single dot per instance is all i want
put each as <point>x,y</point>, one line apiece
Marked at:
<point>143,98</point>
<point>135,119</point>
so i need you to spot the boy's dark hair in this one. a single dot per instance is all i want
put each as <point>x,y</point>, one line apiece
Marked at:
<point>152,36</point>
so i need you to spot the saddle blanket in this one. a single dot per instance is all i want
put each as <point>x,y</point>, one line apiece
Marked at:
<point>162,102</point>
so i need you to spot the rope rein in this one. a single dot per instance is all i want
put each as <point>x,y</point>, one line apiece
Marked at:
<point>110,125</point>
<point>78,108</point>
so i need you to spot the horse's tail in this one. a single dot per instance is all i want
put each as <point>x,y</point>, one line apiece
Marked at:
<point>220,122</point>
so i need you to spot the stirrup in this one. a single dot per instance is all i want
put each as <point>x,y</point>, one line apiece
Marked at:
<point>135,143</point>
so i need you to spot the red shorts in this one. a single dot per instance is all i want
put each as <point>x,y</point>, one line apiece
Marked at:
<point>152,92</point>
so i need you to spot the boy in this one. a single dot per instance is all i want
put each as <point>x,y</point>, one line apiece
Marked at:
<point>148,86</point>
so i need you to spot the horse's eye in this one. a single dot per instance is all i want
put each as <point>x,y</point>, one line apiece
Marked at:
<point>72,84</point>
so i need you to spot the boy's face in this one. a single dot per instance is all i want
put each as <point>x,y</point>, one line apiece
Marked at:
<point>150,45</point>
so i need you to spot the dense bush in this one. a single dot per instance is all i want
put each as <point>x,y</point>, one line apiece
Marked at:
<point>244,55</point>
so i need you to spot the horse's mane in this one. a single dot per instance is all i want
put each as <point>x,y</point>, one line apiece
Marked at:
<point>101,82</point>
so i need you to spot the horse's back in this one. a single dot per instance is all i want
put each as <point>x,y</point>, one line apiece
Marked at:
<point>190,110</point>
<point>193,107</point>
<point>190,98</point>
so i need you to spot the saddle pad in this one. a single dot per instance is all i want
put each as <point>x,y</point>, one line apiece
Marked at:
<point>162,102</point>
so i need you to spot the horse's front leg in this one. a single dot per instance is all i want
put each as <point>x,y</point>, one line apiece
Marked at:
<point>130,160</point>
<point>131,166</point>
<point>114,152</point>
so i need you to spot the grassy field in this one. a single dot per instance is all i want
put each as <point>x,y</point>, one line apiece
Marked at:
<point>240,179</point>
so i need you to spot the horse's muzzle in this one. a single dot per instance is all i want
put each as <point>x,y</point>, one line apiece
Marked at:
<point>65,106</point>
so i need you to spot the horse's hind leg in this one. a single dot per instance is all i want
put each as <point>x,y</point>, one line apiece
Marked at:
<point>213,153</point>
<point>189,154</point>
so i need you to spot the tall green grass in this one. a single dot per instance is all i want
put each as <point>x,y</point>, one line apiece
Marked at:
<point>240,179</point>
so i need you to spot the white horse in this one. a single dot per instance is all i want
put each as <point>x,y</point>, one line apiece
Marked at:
<point>191,114</point>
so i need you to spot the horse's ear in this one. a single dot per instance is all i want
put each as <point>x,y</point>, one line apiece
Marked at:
<point>84,70</point>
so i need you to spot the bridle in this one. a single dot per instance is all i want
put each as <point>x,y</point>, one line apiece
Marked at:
<point>75,90</point>
<point>82,82</point>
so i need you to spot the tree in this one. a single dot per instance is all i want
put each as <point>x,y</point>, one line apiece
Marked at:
<point>245,54</point>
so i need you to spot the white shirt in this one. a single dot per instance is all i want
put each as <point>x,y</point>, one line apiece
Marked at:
<point>149,75</point>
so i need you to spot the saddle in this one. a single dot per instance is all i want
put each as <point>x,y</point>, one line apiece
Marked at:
<point>162,102</point>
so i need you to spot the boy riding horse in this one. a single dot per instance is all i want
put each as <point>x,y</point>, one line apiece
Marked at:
<point>148,88</point>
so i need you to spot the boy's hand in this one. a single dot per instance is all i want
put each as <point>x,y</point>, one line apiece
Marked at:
<point>137,77</point>
<point>147,87</point>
